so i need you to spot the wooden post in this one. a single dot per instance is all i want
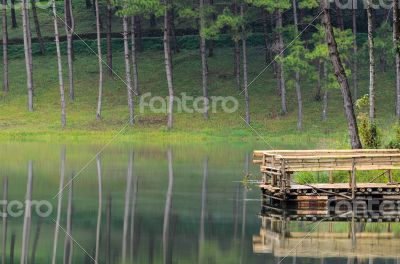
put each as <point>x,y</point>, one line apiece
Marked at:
<point>353,180</point>
<point>330,177</point>
<point>390,175</point>
<point>283,176</point>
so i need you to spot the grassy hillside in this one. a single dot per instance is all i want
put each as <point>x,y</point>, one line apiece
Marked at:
<point>17,123</point>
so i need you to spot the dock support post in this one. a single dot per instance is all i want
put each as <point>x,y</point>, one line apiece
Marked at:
<point>283,177</point>
<point>390,176</point>
<point>330,177</point>
<point>353,180</point>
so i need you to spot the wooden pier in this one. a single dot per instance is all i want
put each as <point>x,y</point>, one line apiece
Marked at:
<point>279,166</point>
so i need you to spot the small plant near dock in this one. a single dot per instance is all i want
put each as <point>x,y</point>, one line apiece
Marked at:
<point>369,132</point>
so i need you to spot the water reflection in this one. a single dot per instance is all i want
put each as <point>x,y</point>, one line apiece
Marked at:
<point>168,205</point>
<point>294,235</point>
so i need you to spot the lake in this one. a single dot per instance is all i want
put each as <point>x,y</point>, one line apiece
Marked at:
<point>163,204</point>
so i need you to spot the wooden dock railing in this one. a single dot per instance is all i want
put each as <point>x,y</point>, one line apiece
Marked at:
<point>277,166</point>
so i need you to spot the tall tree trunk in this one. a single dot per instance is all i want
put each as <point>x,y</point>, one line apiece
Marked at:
<point>167,210</point>
<point>138,33</point>
<point>68,245</point>
<point>59,198</point>
<point>281,74</point>
<point>204,64</point>
<point>168,65</point>
<point>318,88</point>
<point>339,17</point>
<point>108,229</point>
<point>27,51</point>
<point>172,31</point>
<point>396,43</point>
<point>341,77</point>
<point>126,207</point>
<point>265,33</point>
<point>100,191</point>
<point>5,48</point>
<point>325,106</point>
<point>5,220</point>
<point>128,71</point>
<point>100,60</point>
<point>371,64</point>
<point>69,28</point>
<point>27,217</point>
<point>59,65</point>
<point>236,50</point>
<point>109,43</point>
<point>88,4</point>
<point>37,27</point>
<point>211,43</point>
<point>136,89</point>
<point>13,16</point>
<point>245,76</point>
<point>297,75</point>
<point>355,59</point>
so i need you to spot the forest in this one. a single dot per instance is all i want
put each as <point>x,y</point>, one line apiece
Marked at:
<point>327,72</point>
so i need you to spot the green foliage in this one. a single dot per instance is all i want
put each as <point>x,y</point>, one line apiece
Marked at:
<point>271,5</point>
<point>369,133</point>
<point>139,7</point>
<point>395,143</point>
<point>224,20</point>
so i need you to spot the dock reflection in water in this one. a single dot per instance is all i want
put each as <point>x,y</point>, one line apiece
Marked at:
<point>292,235</point>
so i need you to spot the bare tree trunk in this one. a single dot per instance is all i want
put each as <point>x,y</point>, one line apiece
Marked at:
<point>68,245</point>
<point>318,88</point>
<point>5,220</point>
<point>59,200</point>
<point>204,64</point>
<point>281,75</point>
<point>13,16</point>
<point>203,213</point>
<point>12,246</point>
<point>172,31</point>
<point>297,75</point>
<point>168,205</point>
<point>108,229</point>
<point>371,64</point>
<point>37,27</point>
<point>27,217</point>
<point>265,32</point>
<point>5,48</point>
<point>100,190</point>
<point>126,209</point>
<point>36,240</point>
<point>245,75</point>
<point>341,77</point>
<point>325,107</point>
<point>59,65</point>
<point>138,33</point>
<point>236,69</point>
<point>128,71</point>
<point>168,65</point>
<point>27,51</point>
<point>136,88</point>
<point>100,59</point>
<point>355,60</point>
<point>70,28</point>
<point>396,43</point>
<point>339,17</point>
<point>109,43</point>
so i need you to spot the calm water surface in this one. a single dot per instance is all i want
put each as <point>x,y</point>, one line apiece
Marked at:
<point>160,204</point>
